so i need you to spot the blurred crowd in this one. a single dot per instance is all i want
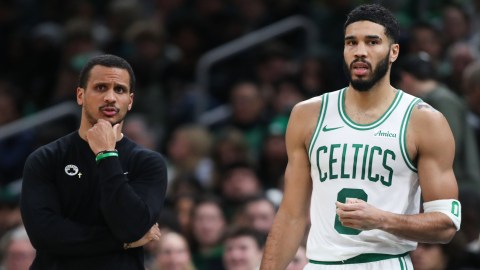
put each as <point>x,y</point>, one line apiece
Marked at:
<point>226,161</point>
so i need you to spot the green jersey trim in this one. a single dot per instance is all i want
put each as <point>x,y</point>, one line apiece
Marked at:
<point>403,263</point>
<point>362,258</point>
<point>403,135</point>
<point>320,119</point>
<point>376,123</point>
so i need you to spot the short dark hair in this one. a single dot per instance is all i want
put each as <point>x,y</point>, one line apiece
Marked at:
<point>236,232</point>
<point>106,60</point>
<point>376,14</point>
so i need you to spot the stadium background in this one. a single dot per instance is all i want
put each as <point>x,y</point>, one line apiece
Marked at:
<point>216,80</point>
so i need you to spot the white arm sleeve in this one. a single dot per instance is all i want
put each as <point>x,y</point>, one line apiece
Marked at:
<point>449,207</point>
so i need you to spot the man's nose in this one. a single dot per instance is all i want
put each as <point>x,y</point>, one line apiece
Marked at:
<point>109,96</point>
<point>361,50</point>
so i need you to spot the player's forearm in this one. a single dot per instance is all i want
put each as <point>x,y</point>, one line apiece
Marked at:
<point>431,227</point>
<point>283,241</point>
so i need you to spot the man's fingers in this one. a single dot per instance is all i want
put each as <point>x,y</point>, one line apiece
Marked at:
<point>155,237</point>
<point>353,200</point>
<point>116,128</point>
<point>350,206</point>
<point>346,213</point>
<point>102,121</point>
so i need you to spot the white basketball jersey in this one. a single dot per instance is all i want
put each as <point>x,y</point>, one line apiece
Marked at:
<point>365,161</point>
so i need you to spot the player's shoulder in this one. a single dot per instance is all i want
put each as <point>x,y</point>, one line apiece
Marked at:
<point>423,114</point>
<point>308,106</point>
<point>303,119</point>
<point>428,125</point>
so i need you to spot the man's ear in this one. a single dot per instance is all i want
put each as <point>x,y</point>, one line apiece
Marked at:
<point>394,52</point>
<point>80,94</point>
<point>131,101</point>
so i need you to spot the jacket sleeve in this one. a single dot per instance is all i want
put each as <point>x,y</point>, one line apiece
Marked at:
<point>47,229</point>
<point>131,202</point>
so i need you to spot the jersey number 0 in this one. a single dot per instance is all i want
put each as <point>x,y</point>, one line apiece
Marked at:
<point>342,197</point>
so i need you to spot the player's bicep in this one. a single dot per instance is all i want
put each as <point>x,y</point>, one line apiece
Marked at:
<point>436,151</point>
<point>298,185</point>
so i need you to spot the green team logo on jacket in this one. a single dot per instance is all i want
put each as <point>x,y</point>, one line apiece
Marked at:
<point>369,162</point>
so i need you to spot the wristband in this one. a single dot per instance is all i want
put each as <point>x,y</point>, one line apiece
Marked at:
<point>104,154</point>
<point>449,207</point>
<point>106,151</point>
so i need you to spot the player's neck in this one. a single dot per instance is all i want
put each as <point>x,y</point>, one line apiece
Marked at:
<point>380,93</point>
<point>366,107</point>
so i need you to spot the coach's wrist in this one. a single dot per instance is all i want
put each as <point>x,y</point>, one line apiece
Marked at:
<point>105,154</point>
<point>106,151</point>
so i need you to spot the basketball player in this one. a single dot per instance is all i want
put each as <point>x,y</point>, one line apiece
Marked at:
<point>358,157</point>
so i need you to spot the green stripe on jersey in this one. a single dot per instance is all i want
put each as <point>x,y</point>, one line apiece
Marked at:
<point>403,135</point>
<point>376,123</point>
<point>321,117</point>
<point>362,258</point>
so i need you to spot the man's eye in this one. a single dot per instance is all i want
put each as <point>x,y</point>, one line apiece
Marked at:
<point>120,90</point>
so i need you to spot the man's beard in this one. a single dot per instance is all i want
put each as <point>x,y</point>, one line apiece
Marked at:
<point>363,85</point>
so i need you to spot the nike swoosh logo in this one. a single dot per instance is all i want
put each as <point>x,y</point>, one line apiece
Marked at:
<point>326,129</point>
<point>125,173</point>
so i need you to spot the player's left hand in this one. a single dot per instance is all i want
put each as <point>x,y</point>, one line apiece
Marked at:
<point>360,215</point>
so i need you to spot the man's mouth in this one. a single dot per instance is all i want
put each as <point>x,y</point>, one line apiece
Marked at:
<point>360,68</point>
<point>109,110</point>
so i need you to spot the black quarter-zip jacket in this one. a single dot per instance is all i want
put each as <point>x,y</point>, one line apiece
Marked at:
<point>78,213</point>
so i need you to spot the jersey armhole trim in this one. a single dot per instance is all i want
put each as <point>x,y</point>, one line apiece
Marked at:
<point>320,119</point>
<point>403,135</point>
